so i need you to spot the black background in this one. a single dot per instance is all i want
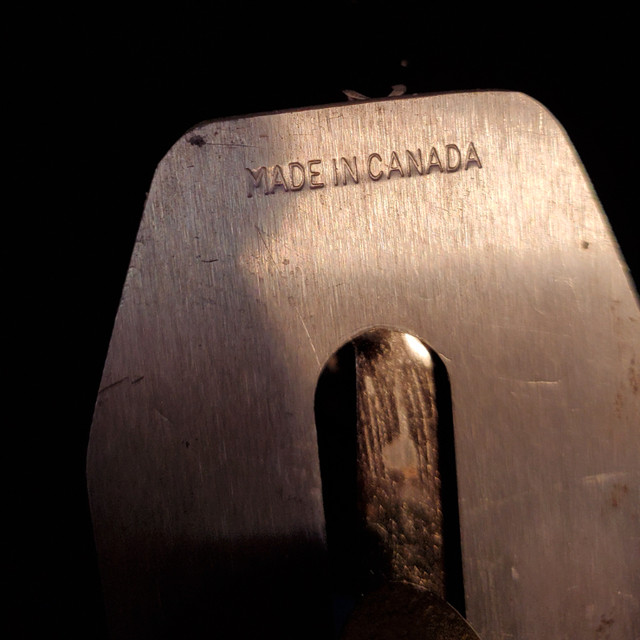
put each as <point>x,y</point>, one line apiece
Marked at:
<point>99,100</point>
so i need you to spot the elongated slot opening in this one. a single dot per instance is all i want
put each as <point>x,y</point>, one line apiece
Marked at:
<point>387,459</point>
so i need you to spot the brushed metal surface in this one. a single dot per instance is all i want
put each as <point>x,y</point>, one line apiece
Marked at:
<point>203,475</point>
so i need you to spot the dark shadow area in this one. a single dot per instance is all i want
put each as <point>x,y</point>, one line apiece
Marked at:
<point>454,579</point>
<point>400,610</point>
<point>240,588</point>
<point>336,416</point>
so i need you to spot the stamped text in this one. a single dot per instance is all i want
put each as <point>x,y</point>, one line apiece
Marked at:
<point>336,172</point>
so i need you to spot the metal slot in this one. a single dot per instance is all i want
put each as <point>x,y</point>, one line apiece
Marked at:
<point>385,435</point>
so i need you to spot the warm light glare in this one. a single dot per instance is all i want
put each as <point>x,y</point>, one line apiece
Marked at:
<point>418,349</point>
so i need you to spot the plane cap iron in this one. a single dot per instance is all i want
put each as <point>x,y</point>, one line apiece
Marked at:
<point>267,243</point>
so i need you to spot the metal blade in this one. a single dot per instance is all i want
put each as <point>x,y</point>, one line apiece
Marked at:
<point>268,242</point>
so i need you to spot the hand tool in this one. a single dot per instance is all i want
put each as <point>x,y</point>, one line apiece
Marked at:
<point>464,221</point>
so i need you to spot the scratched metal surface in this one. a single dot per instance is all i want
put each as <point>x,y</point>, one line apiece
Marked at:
<point>203,474</point>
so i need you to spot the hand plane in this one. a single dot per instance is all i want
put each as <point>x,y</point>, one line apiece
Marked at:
<point>410,312</point>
